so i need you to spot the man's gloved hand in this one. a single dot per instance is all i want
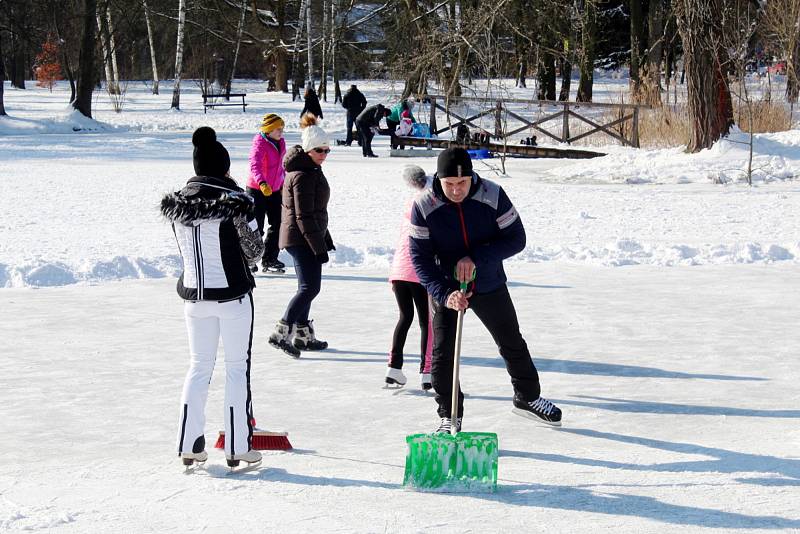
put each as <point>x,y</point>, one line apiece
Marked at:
<point>323,258</point>
<point>266,190</point>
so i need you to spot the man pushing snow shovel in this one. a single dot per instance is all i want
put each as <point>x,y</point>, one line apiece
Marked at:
<point>464,227</point>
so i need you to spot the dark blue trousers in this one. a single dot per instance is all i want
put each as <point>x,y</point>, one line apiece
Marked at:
<point>309,281</point>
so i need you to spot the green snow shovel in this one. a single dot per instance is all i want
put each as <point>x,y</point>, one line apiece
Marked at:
<point>461,461</point>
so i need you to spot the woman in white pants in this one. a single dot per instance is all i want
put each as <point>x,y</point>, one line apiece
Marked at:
<point>217,235</point>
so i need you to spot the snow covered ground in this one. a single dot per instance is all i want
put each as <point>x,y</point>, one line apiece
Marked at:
<point>81,206</point>
<point>660,306</point>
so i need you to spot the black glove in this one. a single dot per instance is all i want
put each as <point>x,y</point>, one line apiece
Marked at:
<point>329,241</point>
<point>322,258</point>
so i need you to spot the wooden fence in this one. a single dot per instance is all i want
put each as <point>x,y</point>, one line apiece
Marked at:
<point>500,106</point>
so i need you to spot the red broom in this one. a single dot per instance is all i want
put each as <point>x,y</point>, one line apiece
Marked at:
<point>263,440</point>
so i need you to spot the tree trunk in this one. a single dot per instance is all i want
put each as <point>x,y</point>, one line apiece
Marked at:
<point>587,52</point>
<point>297,69</point>
<point>322,91</point>
<point>239,30</point>
<point>566,76</point>
<point>104,48</point>
<point>793,69</point>
<point>65,63</point>
<point>152,46</point>
<point>113,50</point>
<point>709,98</point>
<point>546,74</point>
<point>655,54</point>
<point>17,74</point>
<point>279,56</point>
<point>308,43</point>
<point>176,90</point>
<point>2,77</point>
<point>637,46</point>
<point>86,75</point>
<point>337,90</point>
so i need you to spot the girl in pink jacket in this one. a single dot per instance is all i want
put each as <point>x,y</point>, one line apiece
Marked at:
<point>409,294</point>
<point>264,185</point>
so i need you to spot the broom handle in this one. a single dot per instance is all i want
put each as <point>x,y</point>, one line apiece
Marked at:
<point>456,363</point>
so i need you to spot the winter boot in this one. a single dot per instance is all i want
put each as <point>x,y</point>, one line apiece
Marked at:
<point>304,338</point>
<point>250,457</point>
<point>425,380</point>
<point>446,425</point>
<point>541,410</point>
<point>395,377</point>
<point>281,339</point>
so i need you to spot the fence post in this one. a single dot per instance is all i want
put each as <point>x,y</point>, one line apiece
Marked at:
<point>432,121</point>
<point>635,129</point>
<point>498,119</point>
<point>565,126</point>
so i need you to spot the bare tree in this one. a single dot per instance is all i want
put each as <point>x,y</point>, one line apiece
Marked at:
<point>781,25</point>
<point>153,61</point>
<point>176,90</point>
<point>239,29</point>
<point>85,75</point>
<point>587,28</point>
<point>709,98</point>
<point>2,77</point>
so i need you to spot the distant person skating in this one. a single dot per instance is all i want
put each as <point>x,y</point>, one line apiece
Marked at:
<point>396,115</point>
<point>409,294</point>
<point>354,102</point>
<point>368,122</point>
<point>264,185</point>
<point>464,227</point>
<point>304,234</point>
<point>311,103</point>
<point>217,236</point>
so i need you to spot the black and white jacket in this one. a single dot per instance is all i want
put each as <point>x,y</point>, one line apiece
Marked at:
<point>212,219</point>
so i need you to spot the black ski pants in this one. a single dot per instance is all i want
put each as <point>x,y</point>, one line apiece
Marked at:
<point>351,121</point>
<point>496,311</point>
<point>409,295</point>
<point>269,208</point>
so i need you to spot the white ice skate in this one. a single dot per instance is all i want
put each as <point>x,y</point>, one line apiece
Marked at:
<point>395,378</point>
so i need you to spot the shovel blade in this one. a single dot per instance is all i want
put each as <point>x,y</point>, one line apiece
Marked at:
<point>466,462</point>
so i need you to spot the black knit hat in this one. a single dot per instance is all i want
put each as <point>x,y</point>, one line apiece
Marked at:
<point>453,162</point>
<point>210,157</point>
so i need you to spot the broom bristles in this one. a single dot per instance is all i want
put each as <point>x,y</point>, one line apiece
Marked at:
<point>263,440</point>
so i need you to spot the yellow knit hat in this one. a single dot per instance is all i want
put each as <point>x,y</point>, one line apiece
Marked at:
<point>271,122</point>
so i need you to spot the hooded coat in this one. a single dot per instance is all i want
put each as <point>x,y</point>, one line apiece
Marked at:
<point>212,219</point>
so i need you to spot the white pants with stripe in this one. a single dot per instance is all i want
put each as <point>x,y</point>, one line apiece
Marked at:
<point>206,321</point>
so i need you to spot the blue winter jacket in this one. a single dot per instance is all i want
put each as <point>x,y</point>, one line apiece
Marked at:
<point>485,226</point>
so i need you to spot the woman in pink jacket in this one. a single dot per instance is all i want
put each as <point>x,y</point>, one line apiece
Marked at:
<point>264,185</point>
<point>409,294</point>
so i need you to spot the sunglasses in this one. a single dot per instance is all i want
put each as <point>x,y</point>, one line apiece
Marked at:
<point>322,150</point>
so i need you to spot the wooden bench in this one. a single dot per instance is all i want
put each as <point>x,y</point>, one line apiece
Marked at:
<point>210,101</point>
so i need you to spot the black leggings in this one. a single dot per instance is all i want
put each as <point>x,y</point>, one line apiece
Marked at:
<point>269,207</point>
<point>410,295</point>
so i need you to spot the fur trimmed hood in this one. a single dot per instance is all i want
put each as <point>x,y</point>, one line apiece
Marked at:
<point>204,199</point>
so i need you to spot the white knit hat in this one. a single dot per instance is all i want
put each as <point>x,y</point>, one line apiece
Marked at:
<point>314,137</point>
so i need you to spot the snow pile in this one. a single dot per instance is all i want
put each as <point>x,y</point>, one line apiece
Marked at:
<point>776,156</point>
<point>67,121</point>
